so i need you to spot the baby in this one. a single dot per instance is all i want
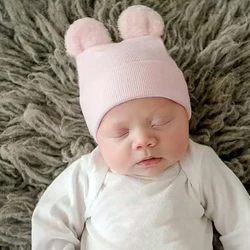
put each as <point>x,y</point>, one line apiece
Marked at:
<point>146,185</point>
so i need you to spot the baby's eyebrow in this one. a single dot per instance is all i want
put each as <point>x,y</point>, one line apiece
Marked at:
<point>162,116</point>
<point>122,124</point>
<point>118,126</point>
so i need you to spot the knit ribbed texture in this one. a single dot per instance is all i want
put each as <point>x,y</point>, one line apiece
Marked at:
<point>41,125</point>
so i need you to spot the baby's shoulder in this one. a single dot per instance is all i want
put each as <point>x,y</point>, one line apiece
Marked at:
<point>89,164</point>
<point>197,159</point>
<point>201,159</point>
<point>197,152</point>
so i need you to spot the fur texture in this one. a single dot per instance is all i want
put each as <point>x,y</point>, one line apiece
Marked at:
<point>138,21</point>
<point>41,126</point>
<point>85,33</point>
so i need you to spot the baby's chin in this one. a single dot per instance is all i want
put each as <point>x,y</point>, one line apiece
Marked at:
<point>152,171</point>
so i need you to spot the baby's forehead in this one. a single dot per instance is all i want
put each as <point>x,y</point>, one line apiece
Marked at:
<point>139,109</point>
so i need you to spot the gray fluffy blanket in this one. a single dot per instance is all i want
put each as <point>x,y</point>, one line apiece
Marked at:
<point>42,129</point>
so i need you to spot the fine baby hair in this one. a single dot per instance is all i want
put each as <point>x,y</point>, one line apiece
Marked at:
<point>113,73</point>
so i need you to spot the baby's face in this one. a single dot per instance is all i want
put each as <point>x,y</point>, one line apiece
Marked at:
<point>154,127</point>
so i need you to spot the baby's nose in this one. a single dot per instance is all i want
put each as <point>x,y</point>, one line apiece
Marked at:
<point>144,140</point>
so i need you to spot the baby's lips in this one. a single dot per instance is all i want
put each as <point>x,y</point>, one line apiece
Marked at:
<point>150,161</point>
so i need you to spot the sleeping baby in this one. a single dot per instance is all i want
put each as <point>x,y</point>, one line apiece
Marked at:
<point>146,185</point>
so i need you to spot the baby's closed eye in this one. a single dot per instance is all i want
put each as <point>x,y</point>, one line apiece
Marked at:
<point>160,122</point>
<point>118,133</point>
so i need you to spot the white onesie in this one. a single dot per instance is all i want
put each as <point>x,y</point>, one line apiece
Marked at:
<point>88,207</point>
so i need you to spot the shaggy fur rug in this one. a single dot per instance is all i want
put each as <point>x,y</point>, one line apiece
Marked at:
<point>42,129</point>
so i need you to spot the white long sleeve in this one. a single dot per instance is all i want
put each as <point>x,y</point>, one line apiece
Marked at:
<point>58,220</point>
<point>226,201</point>
<point>89,208</point>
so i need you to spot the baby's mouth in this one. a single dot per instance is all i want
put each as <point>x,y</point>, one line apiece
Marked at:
<point>149,161</point>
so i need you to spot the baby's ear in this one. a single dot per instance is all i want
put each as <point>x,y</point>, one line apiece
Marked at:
<point>139,20</point>
<point>85,33</point>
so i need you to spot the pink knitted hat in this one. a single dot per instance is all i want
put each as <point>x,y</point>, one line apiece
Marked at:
<point>112,73</point>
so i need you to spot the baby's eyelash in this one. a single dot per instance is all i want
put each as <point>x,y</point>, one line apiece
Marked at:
<point>121,133</point>
<point>161,123</point>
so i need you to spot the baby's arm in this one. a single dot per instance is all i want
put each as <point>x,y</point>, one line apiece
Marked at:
<point>226,202</point>
<point>58,220</point>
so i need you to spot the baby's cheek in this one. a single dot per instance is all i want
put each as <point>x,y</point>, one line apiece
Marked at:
<point>125,159</point>
<point>174,146</point>
<point>115,155</point>
<point>181,146</point>
<point>107,152</point>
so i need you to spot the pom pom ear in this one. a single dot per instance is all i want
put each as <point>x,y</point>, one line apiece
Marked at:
<point>139,20</point>
<point>85,33</point>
